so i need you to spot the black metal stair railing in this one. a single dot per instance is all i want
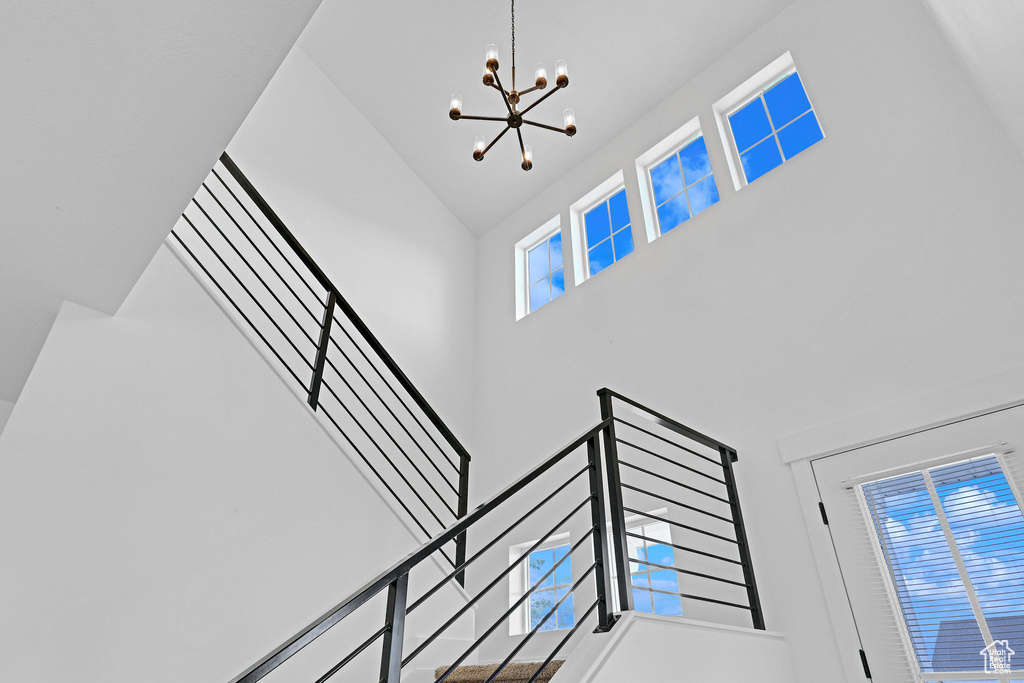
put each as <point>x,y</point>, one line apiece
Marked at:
<point>244,251</point>
<point>590,518</point>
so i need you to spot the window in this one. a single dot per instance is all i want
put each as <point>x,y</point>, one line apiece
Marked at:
<point>951,538</point>
<point>545,276</point>
<point>601,228</point>
<point>609,237</point>
<point>683,185</point>
<point>540,276</point>
<point>551,590</point>
<point>651,583</point>
<point>768,120</point>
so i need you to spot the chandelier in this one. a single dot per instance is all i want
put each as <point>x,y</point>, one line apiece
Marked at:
<point>512,99</point>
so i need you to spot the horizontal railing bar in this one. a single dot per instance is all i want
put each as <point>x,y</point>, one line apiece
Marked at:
<point>373,469</point>
<point>388,408</point>
<point>512,565</point>
<point>675,502</point>
<point>266,260</point>
<point>685,549</point>
<point>352,655</point>
<point>678,524</point>
<point>501,620</point>
<point>247,291</point>
<point>401,450</point>
<point>259,278</point>
<point>671,461</point>
<point>563,641</point>
<point>540,624</point>
<point>673,481</point>
<point>668,422</point>
<point>344,608</point>
<point>668,441</point>
<point>340,325</point>
<point>391,462</point>
<point>493,542</point>
<point>686,571</point>
<point>255,329</point>
<point>273,243</point>
<point>694,597</point>
<point>343,304</point>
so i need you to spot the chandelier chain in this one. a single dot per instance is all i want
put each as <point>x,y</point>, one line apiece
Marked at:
<point>513,34</point>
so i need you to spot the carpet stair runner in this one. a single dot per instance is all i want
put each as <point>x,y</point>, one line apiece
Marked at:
<point>516,672</point>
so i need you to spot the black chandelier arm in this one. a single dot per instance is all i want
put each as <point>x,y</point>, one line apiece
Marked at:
<point>522,147</point>
<point>504,97</point>
<point>544,97</point>
<point>488,147</point>
<point>544,125</point>
<point>483,118</point>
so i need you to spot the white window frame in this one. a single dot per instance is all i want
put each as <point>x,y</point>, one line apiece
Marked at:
<point>601,193</point>
<point>753,88</point>
<point>519,580</point>
<point>523,247</point>
<point>680,138</point>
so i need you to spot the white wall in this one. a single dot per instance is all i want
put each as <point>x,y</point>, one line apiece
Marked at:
<point>6,408</point>
<point>399,256</point>
<point>878,264</point>
<point>169,511</point>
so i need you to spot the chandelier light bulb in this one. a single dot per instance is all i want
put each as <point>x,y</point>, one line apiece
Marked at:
<point>479,143</point>
<point>569,119</point>
<point>527,157</point>
<point>491,57</point>
<point>561,73</point>
<point>456,107</point>
<point>540,75</point>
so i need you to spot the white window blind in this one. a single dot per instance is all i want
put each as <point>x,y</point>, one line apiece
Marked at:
<point>952,537</point>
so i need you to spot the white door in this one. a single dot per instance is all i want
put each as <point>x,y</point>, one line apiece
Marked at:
<point>929,538</point>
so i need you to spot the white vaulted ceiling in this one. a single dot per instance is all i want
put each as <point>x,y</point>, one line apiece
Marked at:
<point>398,61</point>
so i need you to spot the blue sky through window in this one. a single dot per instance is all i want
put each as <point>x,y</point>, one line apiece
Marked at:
<point>683,185</point>
<point>776,126</point>
<point>545,275</point>
<point>608,233</point>
<point>552,589</point>
<point>978,508</point>
<point>647,580</point>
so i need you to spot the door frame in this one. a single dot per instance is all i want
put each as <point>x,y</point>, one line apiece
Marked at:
<point>937,409</point>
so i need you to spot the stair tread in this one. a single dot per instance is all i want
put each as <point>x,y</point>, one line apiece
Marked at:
<point>516,672</point>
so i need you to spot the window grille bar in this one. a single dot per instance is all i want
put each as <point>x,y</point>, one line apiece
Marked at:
<point>673,481</point>
<point>261,253</point>
<point>670,460</point>
<point>239,310</point>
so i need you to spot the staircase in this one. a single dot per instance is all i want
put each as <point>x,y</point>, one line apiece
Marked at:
<point>635,499</point>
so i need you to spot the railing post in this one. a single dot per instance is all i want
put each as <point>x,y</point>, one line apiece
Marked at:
<point>321,351</point>
<point>460,542</point>
<point>603,575</point>
<point>611,459</point>
<point>729,456</point>
<point>394,633</point>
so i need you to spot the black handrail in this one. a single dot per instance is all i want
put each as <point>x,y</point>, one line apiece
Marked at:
<point>260,304</point>
<point>400,570</point>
